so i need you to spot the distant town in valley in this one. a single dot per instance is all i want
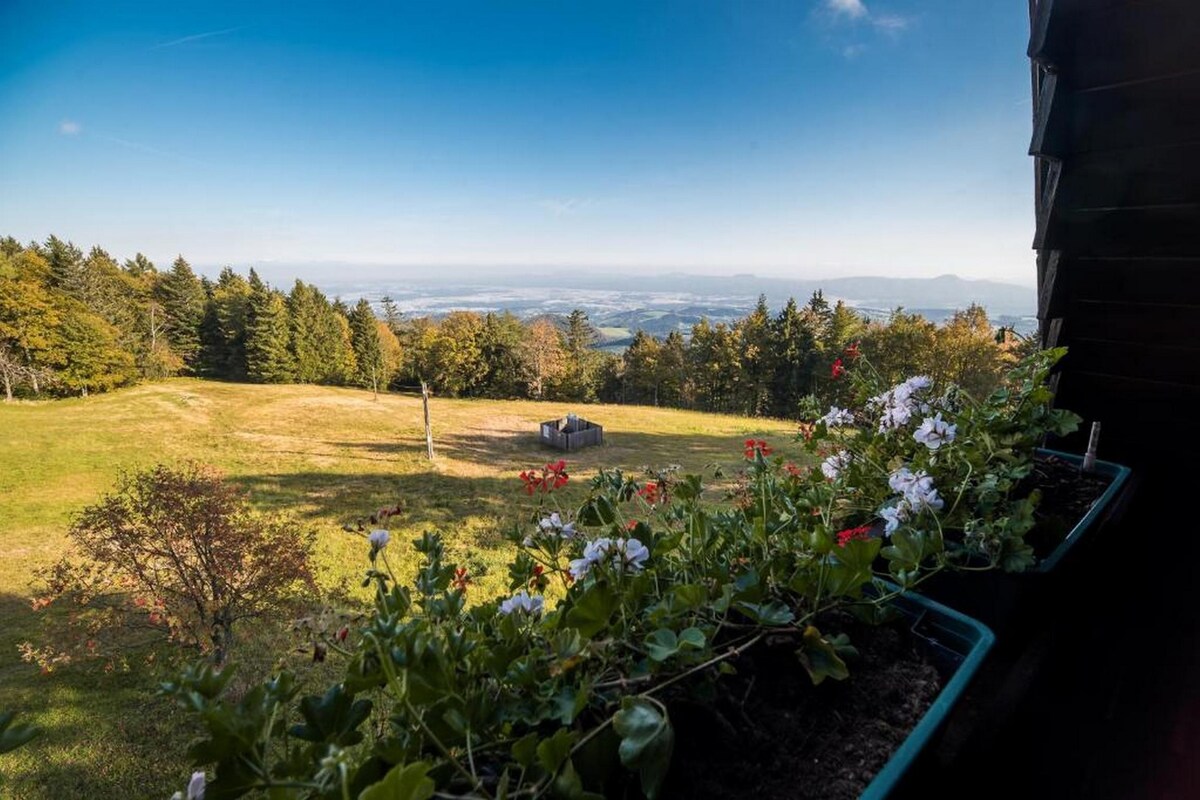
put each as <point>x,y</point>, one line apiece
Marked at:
<point>619,305</point>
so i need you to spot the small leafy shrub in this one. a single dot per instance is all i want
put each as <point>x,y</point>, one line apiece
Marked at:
<point>172,554</point>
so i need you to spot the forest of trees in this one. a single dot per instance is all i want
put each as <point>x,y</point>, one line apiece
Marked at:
<point>72,323</point>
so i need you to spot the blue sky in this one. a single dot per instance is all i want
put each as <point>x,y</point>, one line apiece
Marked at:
<point>801,137</point>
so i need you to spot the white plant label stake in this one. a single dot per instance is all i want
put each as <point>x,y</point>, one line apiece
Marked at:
<point>1089,458</point>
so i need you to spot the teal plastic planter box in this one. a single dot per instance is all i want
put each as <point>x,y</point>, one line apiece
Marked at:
<point>999,598</point>
<point>1119,476</point>
<point>956,645</point>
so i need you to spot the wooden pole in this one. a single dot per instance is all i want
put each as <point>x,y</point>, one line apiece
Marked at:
<point>428,430</point>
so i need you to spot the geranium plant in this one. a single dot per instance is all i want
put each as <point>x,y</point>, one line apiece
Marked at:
<point>646,591</point>
<point>935,471</point>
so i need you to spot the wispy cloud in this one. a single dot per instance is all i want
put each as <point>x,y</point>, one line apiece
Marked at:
<point>889,23</point>
<point>69,127</point>
<point>564,206</point>
<point>195,37</point>
<point>854,9</point>
<point>855,14</point>
<point>145,148</point>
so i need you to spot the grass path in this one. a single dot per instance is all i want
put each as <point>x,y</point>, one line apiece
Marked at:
<point>324,454</point>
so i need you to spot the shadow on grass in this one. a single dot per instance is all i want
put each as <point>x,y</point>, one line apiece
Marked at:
<point>435,496</point>
<point>103,735</point>
<point>515,450</point>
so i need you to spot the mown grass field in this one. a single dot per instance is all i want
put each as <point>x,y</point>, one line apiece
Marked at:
<point>326,455</point>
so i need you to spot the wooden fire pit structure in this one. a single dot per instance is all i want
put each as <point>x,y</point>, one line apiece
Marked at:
<point>571,433</point>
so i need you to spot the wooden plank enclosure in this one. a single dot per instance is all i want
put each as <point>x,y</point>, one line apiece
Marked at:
<point>571,433</point>
<point>1116,138</point>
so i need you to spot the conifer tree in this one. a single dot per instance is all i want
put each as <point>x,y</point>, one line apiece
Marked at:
<point>578,381</point>
<point>368,354</point>
<point>674,389</point>
<point>758,356</point>
<point>139,265</point>
<point>225,329</point>
<point>65,260</point>
<point>642,371</point>
<point>182,297</point>
<point>794,346</point>
<point>268,358</point>
<point>391,314</point>
<point>320,341</point>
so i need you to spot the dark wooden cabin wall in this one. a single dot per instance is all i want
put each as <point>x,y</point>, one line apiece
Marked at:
<point>1116,135</point>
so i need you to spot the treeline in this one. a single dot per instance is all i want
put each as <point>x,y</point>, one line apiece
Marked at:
<point>72,323</point>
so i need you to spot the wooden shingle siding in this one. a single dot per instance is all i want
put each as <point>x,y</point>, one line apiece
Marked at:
<point>1116,137</point>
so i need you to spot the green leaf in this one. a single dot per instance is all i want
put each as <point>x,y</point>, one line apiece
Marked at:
<point>525,749</point>
<point>568,702</point>
<point>332,718</point>
<point>14,736</point>
<point>647,740</point>
<point>691,638</point>
<point>689,596</point>
<point>662,644</point>
<point>403,782</point>
<point>773,613</point>
<point>593,609</point>
<point>552,752</point>
<point>821,657</point>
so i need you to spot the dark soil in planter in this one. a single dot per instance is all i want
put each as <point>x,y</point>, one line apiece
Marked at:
<point>1067,496</point>
<point>768,733</point>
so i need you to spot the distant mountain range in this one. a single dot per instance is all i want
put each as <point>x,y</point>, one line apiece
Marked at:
<point>620,304</point>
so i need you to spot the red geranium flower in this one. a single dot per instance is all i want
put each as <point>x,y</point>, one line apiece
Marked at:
<point>532,481</point>
<point>461,579</point>
<point>760,445</point>
<point>791,469</point>
<point>851,352</point>
<point>552,476</point>
<point>838,369</point>
<point>651,492</point>
<point>556,475</point>
<point>859,534</point>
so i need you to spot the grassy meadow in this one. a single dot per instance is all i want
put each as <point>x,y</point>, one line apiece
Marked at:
<point>325,455</point>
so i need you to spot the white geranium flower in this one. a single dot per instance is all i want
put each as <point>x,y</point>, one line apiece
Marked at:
<point>632,554</point>
<point>595,550</point>
<point>579,568</point>
<point>935,432</point>
<point>625,554</point>
<point>898,404</point>
<point>379,538</point>
<point>930,500</point>
<point>832,466</point>
<point>523,602</point>
<point>554,524</point>
<point>892,517</point>
<point>837,417</point>
<point>916,488</point>
<point>195,788</point>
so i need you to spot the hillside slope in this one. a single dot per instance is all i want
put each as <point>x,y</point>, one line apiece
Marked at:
<point>325,454</point>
